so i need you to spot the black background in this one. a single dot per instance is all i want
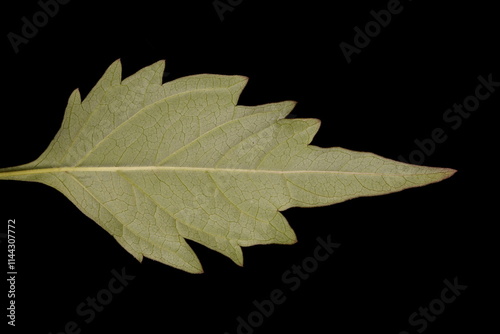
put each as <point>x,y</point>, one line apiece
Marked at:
<point>396,250</point>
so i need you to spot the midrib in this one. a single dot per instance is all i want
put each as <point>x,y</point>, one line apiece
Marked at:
<point>177,169</point>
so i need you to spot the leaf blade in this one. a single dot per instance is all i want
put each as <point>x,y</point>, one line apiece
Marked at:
<point>155,164</point>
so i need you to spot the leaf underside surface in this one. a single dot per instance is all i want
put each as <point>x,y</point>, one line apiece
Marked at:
<point>155,164</point>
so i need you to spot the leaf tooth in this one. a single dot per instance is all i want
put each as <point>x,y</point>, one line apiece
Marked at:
<point>152,73</point>
<point>111,77</point>
<point>221,244</point>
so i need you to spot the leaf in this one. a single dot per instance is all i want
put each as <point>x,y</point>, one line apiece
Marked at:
<point>155,164</point>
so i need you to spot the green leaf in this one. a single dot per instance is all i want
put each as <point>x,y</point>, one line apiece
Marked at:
<point>155,164</point>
